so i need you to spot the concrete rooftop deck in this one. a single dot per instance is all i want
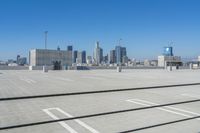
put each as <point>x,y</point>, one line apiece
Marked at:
<point>25,83</point>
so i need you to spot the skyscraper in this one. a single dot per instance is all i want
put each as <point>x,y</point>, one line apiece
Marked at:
<point>81,57</point>
<point>75,55</point>
<point>168,51</point>
<point>120,52</point>
<point>58,48</point>
<point>98,54</point>
<point>69,48</point>
<point>105,59</point>
<point>112,57</point>
<point>101,55</point>
<point>18,56</point>
<point>123,52</point>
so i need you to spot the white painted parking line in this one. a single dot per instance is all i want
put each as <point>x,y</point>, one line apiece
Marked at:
<point>92,77</point>
<point>30,81</point>
<point>173,110</point>
<point>64,79</point>
<point>191,95</point>
<point>166,110</point>
<point>68,115</point>
<point>114,76</point>
<point>63,124</point>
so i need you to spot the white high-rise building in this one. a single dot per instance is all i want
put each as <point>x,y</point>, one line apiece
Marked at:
<point>198,58</point>
<point>98,54</point>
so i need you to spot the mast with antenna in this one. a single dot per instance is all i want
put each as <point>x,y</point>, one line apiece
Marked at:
<point>120,41</point>
<point>46,32</point>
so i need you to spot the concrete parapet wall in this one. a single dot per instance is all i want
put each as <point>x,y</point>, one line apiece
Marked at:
<point>13,67</point>
<point>40,67</point>
<point>113,67</point>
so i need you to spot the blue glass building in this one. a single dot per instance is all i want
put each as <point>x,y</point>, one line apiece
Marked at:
<point>168,51</point>
<point>120,52</point>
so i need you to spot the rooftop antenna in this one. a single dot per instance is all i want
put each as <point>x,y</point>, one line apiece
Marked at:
<point>170,44</point>
<point>120,41</point>
<point>46,32</point>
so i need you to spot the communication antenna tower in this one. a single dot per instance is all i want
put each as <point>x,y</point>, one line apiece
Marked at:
<point>46,32</point>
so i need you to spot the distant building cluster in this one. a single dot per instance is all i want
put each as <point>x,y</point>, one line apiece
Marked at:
<point>70,57</point>
<point>20,61</point>
<point>117,57</point>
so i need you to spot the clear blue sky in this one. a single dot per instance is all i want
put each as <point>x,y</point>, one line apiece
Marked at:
<point>144,25</point>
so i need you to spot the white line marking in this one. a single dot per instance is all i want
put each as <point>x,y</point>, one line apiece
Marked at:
<point>71,130</point>
<point>25,80</point>
<point>114,76</point>
<point>69,115</point>
<point>79,122</point>
<point>191,95</point>
<point>65,79</point>
<point>148,103</point>
<point>30,81</point>
<point>92,77</point>
<point>33,81</point>
<point>173,112</point>
<point>173,108</point>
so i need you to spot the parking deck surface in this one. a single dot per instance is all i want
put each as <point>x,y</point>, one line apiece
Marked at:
<point>29,83</point>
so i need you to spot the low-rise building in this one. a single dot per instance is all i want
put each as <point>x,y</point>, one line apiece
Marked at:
<point>89,60</point>
<point>41,57</point>
<point>169,60</point>
<point>147,62</point>
<point>125,60</point>
<point>22,61</point>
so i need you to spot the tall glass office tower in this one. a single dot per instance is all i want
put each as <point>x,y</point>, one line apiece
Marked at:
<point>118,54</point>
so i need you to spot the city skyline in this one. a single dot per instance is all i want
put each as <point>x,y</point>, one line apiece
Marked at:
<point>144,26</point>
